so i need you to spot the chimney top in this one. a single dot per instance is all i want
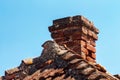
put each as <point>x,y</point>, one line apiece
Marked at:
<point>77,33</point>
<point>76,21</point>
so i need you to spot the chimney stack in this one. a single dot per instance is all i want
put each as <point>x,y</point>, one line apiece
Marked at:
<point>78,34</point>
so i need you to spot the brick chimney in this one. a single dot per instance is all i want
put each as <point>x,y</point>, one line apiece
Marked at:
<point>78,34</point>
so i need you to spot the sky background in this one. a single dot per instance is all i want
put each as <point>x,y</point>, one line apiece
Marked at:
<point>24,28</point>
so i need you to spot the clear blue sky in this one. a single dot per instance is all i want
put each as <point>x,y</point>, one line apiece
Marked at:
<point>24,28</point>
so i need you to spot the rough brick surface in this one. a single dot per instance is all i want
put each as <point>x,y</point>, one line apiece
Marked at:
<point>91,48</point>
<point>90,59</point>
<point>77,28</point>
<point>92,55</point>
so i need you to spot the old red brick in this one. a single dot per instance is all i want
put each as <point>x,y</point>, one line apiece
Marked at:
<point>70,30</point>
<point>51,28</point>
<point>84,50</point>
<point>62,21</point>
<point>67,32</point>
<point>60,40</point>
<point>84,20</point>
<point>82,43</point>
<point>84,30</point>
<point>84,37</point>
<point>88,58</point>
<point>76,49</point>
<point>76,30</point>
<point>72,43</point>
<point>66,44</point>
<point>83,55</point>
<point>94,36</point>
<point>58,27</point>
<point>92,42</point>
<point>96,30</point>
<point>57,34</point>
<point>76,36</point>
<point>100,68</point>
<point>91,48</point>
<point>93,55</point>
<point>89,32</point>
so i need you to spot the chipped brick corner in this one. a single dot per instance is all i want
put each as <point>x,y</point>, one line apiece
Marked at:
<point>77,33</point>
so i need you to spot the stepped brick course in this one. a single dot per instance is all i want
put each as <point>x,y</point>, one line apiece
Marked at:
<point>78,33</point>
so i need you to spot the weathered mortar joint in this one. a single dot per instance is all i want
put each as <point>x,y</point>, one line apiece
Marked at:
<point>78,34</point>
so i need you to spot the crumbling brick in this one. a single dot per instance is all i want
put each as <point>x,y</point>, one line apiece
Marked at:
<point>92,55</point>
<point>91,48</point>
<point>77,28</point>
<point>84,50</point>
<point>88,58</point>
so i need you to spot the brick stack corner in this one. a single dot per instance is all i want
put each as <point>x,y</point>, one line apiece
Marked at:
<point>77,33</point>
